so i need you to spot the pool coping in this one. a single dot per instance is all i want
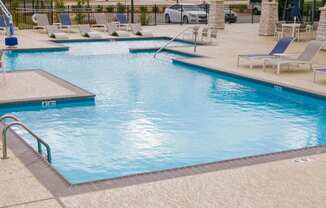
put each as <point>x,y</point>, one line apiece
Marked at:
<point>267,82</point>
<point>57,185</point>
<point>126,39</point>
<point>79,93</point>
<point>171,49</point>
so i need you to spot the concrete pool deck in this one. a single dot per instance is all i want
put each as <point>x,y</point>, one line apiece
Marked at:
<point>37,86</point>
<point>282,183</point>
<point>289,183</point>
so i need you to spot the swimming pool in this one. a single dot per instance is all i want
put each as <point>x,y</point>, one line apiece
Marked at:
<point>151,114</point>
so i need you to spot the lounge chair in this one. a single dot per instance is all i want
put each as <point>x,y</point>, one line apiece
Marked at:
<point>213,34</point>
<point>41,20</point>
<point>208,33</point>
<point>304,58</point>
<point>122,20</point>
<point>3,23</point>
<point>85,31</point>
<point>279,48</point>
<point>137,30</point>
<point>113,30</point>
<point>204,33</point>
<point>319,71</point>
<point>54,32</point>
<point>65,21</point>
<point>100,19</point>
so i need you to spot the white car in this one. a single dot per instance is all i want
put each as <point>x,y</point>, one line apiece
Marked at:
<point>187,13</point>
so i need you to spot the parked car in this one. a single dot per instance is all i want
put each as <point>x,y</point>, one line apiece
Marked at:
<point>187,13</point>
<point>256,8</point>
<point>229,15</point>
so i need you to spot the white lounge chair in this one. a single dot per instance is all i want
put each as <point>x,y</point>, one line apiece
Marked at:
<point>41,20</point>
<point>137,30</point>
<point>54,32</point>
<point>112,29</point>
<point>304,58</point>
<point>85,31</point>
<point>319,71</point>
<point>100,20</point>
<point>208,34</point>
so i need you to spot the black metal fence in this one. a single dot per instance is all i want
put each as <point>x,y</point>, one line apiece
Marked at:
<point>146,15</point>
<point>23,16</point>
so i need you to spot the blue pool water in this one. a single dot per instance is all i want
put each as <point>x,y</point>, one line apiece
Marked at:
<point>151,114</point>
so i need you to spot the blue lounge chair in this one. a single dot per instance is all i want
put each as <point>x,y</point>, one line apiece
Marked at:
<point>4,22</point>
<point>65,20</point>
<point>122,19</point>
<point>279,48</point>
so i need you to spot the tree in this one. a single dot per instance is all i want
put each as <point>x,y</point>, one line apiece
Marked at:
<point>80,16</point>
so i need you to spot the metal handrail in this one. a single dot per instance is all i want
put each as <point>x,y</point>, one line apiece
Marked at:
<point>40,142</point>
<point>175,37</point>
<point>11,116</point>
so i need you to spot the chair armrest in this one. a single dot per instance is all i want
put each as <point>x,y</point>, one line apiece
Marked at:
<point>285,54</point>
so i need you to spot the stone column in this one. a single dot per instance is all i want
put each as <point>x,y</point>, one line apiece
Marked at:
<point>321,31</point>
<point>268,18</point>
<point>216,14</point>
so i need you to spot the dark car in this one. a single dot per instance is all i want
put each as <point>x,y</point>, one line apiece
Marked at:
<point>229,15</point>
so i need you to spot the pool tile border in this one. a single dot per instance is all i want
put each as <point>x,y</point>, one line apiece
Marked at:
<point>50,178</point>
<point>80,94</point>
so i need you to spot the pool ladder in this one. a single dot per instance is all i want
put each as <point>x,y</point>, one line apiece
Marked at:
<point>17,122</point>
<point>195,32</point>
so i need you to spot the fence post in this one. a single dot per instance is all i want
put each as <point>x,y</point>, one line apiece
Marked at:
<point>132,10</point>
<point>252,14</point>
<point>128,10</point>
<point>52,11</point>
<point>24,12</point>
<point>181,10</point>
<point>155,11</point>
<point>88,15</point>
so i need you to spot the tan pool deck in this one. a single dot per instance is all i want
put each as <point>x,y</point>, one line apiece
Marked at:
<point>282,183</point>
<point>27,86</point>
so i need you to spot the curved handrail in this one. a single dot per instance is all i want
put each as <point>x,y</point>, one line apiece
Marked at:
<point>39,140</point>
<point>11,116</point>
<point>170,41</point>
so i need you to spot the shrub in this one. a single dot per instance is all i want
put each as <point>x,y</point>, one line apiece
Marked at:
<point>121,8</point>
<point>59,4</point>
<point>14,6</point>
<point>80,16</point>
<point>242,8</point>
<point>109,8</point>
<point>143,15</point>
<point>99,8</point>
